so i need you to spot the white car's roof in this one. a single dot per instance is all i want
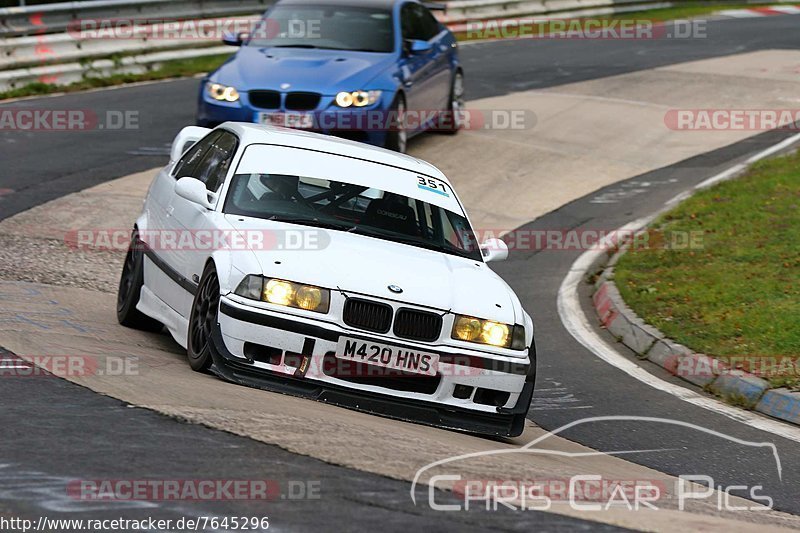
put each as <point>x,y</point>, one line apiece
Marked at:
<point>255,134</point>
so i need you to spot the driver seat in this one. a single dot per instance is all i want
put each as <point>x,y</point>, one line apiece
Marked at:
<point>391,213</point>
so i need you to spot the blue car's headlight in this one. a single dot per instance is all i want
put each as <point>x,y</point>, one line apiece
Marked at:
<point>222,93</point>
<point>357,98</point>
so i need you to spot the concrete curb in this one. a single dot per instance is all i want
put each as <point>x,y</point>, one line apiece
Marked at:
<point>735,386</point>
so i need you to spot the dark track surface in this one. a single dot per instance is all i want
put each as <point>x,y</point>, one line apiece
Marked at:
<point>55,433</point>
<point>97,436</point>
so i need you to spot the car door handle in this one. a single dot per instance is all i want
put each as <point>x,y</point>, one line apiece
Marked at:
<point>170,210</point>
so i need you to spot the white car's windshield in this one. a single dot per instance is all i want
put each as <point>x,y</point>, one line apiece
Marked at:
<point>354,208</point>
<point>352,28</point>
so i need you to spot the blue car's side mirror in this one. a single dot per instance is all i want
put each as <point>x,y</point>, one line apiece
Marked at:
<point>234,39</point>
<point>419,47</point>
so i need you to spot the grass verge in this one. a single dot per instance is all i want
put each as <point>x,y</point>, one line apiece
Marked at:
<point>735,293</point>
<point>169,69</point>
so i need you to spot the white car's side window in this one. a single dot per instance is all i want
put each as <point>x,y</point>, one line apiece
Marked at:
<point>187,166</point>
<point>217,161</point>
<point>209,160</point>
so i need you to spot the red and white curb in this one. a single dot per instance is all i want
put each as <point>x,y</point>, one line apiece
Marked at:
<point>767,11</point>
<point>774,403</point>
<point>698,369</point>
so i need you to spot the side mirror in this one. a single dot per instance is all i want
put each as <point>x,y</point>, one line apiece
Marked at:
<point>195,191</point>
<point>419,47</point>
<point>187,137</point>
<point>235,39</point>
<point>494,250</point>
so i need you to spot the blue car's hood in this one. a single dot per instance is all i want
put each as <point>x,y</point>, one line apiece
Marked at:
<point>315,70</point>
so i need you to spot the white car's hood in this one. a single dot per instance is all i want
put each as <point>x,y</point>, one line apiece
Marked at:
<point>359,264</point>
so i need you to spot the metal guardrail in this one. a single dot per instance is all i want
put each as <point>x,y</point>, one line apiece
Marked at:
<point>36,44</point>
<point>463,10</point>
<point>56,48</point>
<point>56,18</point>
<point>459,18</point>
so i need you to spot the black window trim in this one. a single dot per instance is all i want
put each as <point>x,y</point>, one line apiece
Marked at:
<point>180,161</point>
<point>234,150</point>
<point>220,132</point>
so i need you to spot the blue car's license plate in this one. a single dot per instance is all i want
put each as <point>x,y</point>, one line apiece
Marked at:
<point>287,120</point>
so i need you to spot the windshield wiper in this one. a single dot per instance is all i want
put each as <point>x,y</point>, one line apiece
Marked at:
<point>294,46</point>
<point>414,241</point>
<point>314,222</point>
<point>430,246</point>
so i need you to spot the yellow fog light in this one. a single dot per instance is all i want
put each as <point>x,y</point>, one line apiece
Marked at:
<point>470,329</point>
<point>495,334</point>
<point>308,297</point>
<point>279,292</point>
<point>286,293</point>
<point>467,328</point>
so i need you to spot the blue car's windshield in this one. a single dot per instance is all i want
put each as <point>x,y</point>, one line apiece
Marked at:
<point>328,27</point>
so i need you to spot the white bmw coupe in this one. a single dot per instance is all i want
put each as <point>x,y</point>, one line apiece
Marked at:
<point>325,268</point>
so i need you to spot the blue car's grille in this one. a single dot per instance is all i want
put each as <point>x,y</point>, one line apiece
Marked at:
<point>265,99</point>
<point>302,101</point>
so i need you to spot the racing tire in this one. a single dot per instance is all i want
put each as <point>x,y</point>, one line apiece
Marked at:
<point>203,320</point>
<point>397,136</point>
<point>130,287</point>
<point>451,121</point>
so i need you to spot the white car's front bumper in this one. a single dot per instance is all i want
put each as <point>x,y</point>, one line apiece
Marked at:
<point>472,390</point>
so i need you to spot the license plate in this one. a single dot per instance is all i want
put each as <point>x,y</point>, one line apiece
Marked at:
<point>287,120</point>
<point>377,354</point>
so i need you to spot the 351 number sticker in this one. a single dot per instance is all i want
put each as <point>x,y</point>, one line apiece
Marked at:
<point>432,185</point>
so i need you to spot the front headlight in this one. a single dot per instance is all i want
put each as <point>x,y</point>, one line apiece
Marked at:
<point>471,329</point>
<point>357,98</point>
<point>286,293</point>
<point>222,93</point>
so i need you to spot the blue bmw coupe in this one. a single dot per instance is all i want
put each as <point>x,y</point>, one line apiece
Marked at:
<point>375,71</point>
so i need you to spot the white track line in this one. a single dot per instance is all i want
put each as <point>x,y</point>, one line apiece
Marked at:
<point>740,13</point>
<point>574,319</point>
